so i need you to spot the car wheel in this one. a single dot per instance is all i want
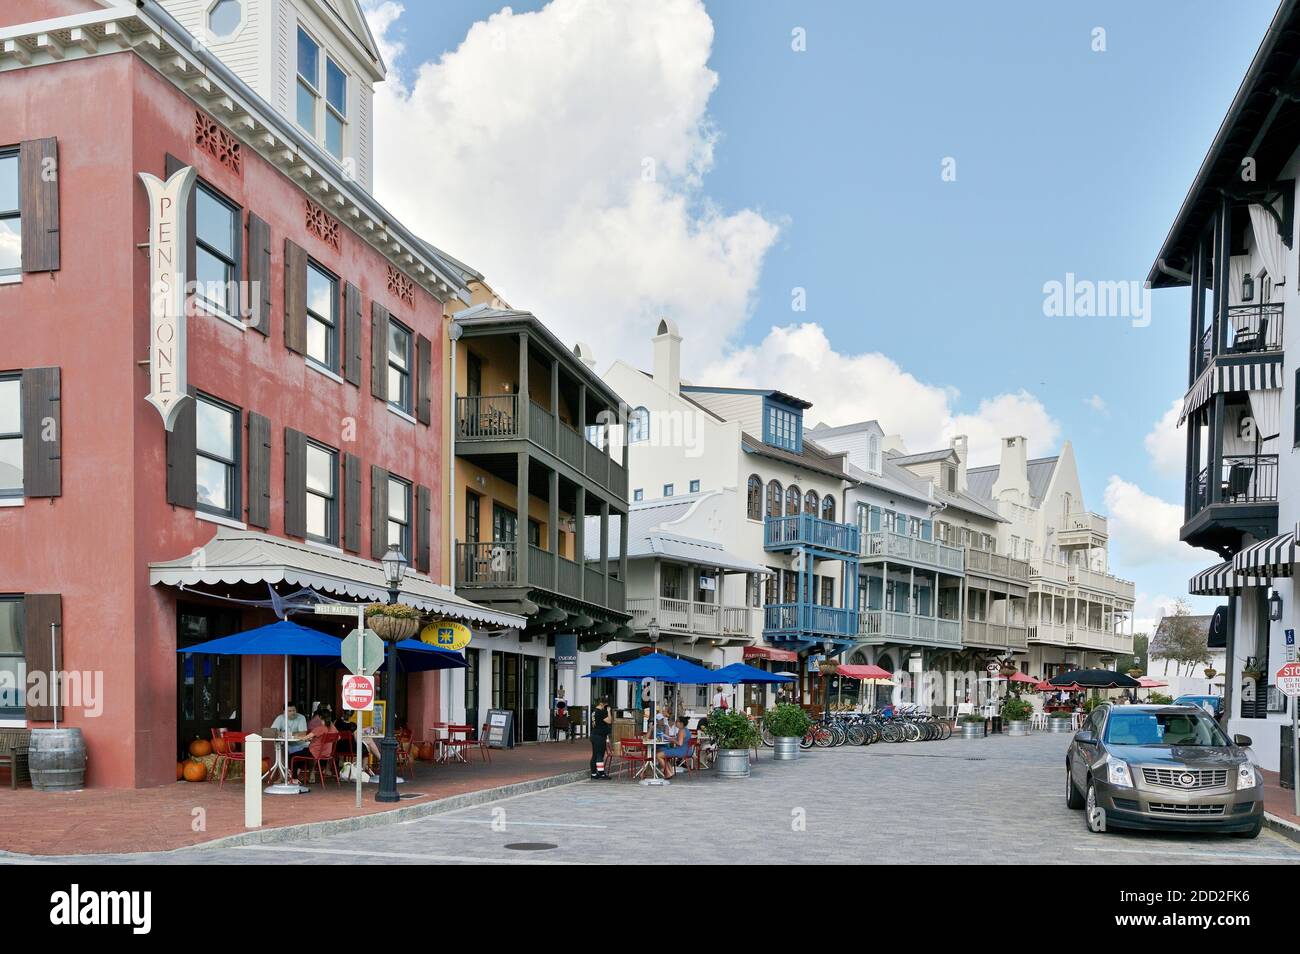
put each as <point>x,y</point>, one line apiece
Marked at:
<point>1250,832</point>
<point>1072,797</point>
<point>1093,814</point>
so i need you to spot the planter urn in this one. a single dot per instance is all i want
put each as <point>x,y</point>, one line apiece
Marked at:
<point>733,763</point>
<point>786,748</point>
<point>1060,725</point>
<point>392,629</point>
<point>972,730</point>
<point>1017,727</point>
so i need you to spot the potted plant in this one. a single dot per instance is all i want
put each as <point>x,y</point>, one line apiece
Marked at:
<point>972,725</point>
<point>1015,715</point>
<point>788,724</point>
<point>393,622</point>
<point>734,735</point>
<point>1252,672</point>
<point>1135,672</point>
<point>1159,699</point>
<point>1210,673</point>
<point>1061,721</point>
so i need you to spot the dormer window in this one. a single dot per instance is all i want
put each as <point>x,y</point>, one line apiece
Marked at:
<point>782,426</point>
<point>323,117</point>
<point>336,108</point>
<point>308,81</point>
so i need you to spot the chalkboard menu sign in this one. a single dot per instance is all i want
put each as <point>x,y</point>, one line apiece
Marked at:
<point>501,728</point>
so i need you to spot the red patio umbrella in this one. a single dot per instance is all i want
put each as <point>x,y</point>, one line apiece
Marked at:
<point>1149,682</point>
<point>1021,677</point>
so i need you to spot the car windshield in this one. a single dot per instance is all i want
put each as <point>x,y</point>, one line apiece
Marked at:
<point>1163,728</point>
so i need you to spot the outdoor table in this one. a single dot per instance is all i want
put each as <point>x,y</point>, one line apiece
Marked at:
<point>655,778</point>
<point>286,786</point>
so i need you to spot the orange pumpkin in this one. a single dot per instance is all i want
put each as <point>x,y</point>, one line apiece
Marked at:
<point>219,745</point>
<point>200,748</point>
<point>195,771</point>
<point>180,771</point>
<point>426,752</point>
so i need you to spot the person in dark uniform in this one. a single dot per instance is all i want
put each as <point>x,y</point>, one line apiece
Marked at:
<point>602,719</point>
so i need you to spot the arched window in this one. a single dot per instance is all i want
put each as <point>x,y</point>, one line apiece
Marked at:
<point>810,502</point>
<point>754,501</point>
<point>638,425</point>
<point>774,498</point>
<point>828,507</point>
<point>792,497</point>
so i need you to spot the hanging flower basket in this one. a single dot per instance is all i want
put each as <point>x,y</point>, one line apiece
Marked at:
<point>1135,672</point>
<point>393,623</point>
<point>828,667</point>
<point>1008,671</point>
<point>1252,674</point>
<point>1211,673</point>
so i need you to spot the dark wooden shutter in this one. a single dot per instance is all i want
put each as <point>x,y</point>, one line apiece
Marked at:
<point>259,471</point>
<point>295,297</point>
<point>181,478</point>
<point>423,525</point>
<point>259,275</point>
<point>378,512</point>
<point>379,351</point>
<point>423,379</point>
<point>39,204</point>
<point>174,165</point>
<point>352,503</point>
<point>352,334</point>
<point>40,610</point>
<point>42,433</point>
<point>295,483</point>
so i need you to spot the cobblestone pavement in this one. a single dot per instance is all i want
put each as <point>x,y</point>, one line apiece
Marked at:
<point>979,801</point>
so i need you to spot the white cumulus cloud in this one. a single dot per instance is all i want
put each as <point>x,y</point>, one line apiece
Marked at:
<point>845,388</point>
<point>1144,529</point>
<point>562,153</point>
<point>1166,443</point>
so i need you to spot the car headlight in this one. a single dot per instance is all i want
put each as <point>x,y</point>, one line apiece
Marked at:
<point>1117,773</point>
<point>1247,777</point>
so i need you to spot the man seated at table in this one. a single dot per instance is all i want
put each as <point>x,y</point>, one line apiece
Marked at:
<point>680,737</point>
<point>296,726</point>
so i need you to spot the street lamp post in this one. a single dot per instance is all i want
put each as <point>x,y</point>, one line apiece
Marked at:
<point>394,571</point>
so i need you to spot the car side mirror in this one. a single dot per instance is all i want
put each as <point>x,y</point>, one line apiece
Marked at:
<point>1242,740</point>
<point>1085,736</point>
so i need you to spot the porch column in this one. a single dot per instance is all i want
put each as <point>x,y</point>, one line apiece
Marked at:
<point>553,524</point>
<point>604,552</point>
<point>622,552</point>
<point>521,517</point>
<point>580,537</point>
<point>657,590</point>
<point>582,423</point>
<point>555,398</point>
<point>1214,467</point>
<point>521,411</point>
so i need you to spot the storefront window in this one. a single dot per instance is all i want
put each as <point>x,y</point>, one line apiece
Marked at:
<point>12,671</point>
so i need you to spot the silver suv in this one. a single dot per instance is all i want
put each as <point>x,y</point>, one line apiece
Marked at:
<point>1162,767</point>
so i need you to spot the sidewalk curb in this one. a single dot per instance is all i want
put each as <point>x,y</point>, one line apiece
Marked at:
<point>1283,827</point>
<point>337,826</point>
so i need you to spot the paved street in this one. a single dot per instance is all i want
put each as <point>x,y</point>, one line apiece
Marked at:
<point>985,801</point>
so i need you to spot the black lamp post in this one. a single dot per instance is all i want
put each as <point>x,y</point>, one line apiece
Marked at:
<point>394,570</point>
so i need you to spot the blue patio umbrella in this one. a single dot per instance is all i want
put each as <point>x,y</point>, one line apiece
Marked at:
<point>740,672</point>
<point>659,667</point>
<point>415,656</point>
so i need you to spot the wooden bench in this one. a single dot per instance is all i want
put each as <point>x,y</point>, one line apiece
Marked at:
<point>13,752</point>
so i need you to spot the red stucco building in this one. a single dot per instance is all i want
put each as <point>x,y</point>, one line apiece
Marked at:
<point>310,426</point>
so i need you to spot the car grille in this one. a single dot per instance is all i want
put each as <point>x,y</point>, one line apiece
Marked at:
<point>1171,808</point>
<point>1186,779</point>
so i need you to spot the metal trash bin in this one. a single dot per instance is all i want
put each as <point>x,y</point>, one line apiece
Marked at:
<point>1286,770</point>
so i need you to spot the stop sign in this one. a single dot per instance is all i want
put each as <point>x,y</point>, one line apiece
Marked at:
<point>358,693</point>
<point>1288,679</point>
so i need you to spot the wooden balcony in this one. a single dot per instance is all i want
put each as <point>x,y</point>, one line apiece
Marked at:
<point>1079,637</point>
<point>1006,636</point>
<point>690,617</point>
<point>1082,530</point>
<point>805,530</point>
<point>884,626</point>
<point>883,546</point>
<point>1251,329</point>
<point>996,564</point>
<point>808,622</point>
<point>496,566</point>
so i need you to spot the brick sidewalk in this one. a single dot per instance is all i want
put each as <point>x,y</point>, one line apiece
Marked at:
<point>1279,801</point>
<point>97,821</point>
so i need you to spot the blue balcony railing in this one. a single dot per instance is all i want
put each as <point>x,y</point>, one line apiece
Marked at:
<point>805,530</point>
<point>808,621</point>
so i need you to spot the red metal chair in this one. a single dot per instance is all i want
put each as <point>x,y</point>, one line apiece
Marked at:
<point>631,754</point>
<point>405,757</point>
<point>484,750</point>
<point>234,745</point>
<point>317,763</point>
<point>458,742</point>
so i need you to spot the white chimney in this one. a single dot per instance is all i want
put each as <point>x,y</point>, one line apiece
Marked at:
<point>1013,473</point>
<point>668,356</point>
<point>960,444</point>
<point>583,351</point>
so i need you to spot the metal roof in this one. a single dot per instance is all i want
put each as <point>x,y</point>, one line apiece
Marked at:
<point>757,392</point>
<point>650,534</point>
<point>980,480</point>
<point>813,458</point>
<point>925,457</point>
<point>247,556</point>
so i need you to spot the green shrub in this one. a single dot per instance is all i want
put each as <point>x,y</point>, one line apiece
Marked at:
<point>787,721</point>
<point>1016,710</point>
<point>1160,699</point>
<point>730,729</point>
<point>1062,714</point>
<point>971,717</point>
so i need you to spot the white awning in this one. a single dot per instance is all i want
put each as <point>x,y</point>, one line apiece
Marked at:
<point>1221,580</point>
<point>1268,558</point>
<point>246,556</point>
<point>1227,378</point>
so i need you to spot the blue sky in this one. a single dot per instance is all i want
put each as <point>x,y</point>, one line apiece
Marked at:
<point>1067,160</point>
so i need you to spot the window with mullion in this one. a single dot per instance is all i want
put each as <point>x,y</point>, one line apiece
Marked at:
<point>13,699</point>
<point>216,467</point>
<point>11,232</point>
<point>322,317</point>
<point>399,515</point>
<point>216,251</point>
<point>11,436</point>
<point>399,366</point>
<point>322,493</point>
<point>336,107</point>
<point>308,81</point>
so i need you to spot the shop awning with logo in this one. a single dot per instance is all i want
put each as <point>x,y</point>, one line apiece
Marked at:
<point>770,654</point>
<point>1269,558</point>
<point>1221,580</point>
<point>246,556</point>
<point>1227,378</point>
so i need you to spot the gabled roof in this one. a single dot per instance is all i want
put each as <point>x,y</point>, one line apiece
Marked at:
<point>964,501</point>
<point>650,533</point>
<point>980,480</point>
<point>1200,623</point>
<point>893,480</point>
<point>825,430</point>
<point>814,457</point>
<point>926,457</point>
<point>781,396</point>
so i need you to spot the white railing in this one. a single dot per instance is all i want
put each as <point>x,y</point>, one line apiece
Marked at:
<point>886,624</point>
<point>884,545</point>
<point>1008,635</point>
<point>1102,582</point>
<point>689,616</point>
<point>1084,521</point>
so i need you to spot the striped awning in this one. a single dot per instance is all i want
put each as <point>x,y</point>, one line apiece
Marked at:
<point>1273,557</point>
<point>1221,580</point>
<point>1227,378</point>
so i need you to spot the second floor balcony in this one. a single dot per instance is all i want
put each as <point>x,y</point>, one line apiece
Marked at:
<point>1082,529</point>
<point>808,623</point>
<point>804,530</point>
<point>886,626</point>
<point>496,565</point>
<point>996,564</point>
<point>1251,329</point>
<point>690,617</point>
<point>1011,637</point>
<point>885,546</point>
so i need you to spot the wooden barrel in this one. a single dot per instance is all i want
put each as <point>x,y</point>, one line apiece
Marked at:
<point>57,760</point>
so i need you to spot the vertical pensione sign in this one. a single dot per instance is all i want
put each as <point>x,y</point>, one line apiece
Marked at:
<point>168,225</point>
